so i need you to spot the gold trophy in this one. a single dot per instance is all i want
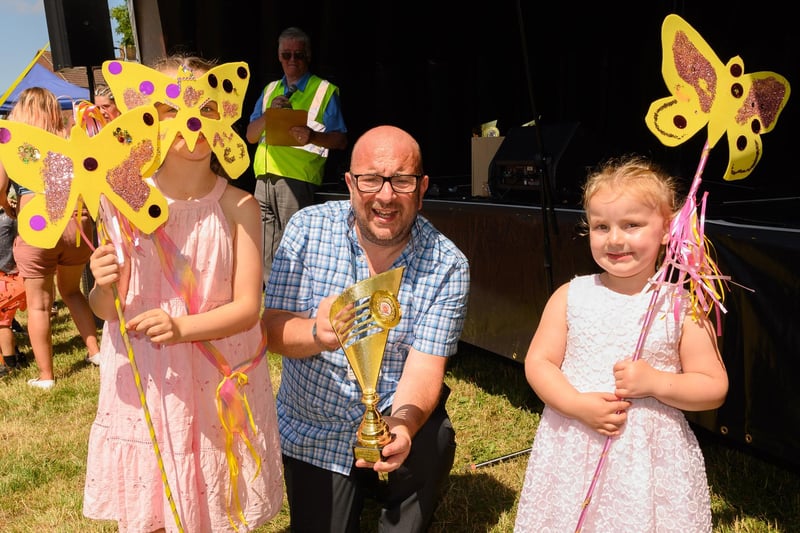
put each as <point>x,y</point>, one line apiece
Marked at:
<point>361,317</point>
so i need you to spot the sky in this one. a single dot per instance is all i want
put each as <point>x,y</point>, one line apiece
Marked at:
<point>23,32</point>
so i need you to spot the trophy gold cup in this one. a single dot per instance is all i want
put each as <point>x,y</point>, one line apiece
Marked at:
<point>361,317</point>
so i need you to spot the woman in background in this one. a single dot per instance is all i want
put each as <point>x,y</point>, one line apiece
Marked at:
<point>104,100</point>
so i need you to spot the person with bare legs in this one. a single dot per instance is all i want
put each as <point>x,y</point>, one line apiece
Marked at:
<point>65,262</point>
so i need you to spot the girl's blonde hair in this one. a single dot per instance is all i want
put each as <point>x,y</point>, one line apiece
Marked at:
<point>638,175</point>
<point>39,107</point>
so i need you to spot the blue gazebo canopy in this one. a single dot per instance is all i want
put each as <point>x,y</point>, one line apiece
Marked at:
<point>39,76</point>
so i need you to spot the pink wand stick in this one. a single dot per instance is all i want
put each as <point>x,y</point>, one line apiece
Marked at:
<point>678,229</point>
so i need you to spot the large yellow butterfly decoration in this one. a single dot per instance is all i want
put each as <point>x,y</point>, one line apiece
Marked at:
<point>707,92</point>
<point>134,85</point>
<point>66,173</point>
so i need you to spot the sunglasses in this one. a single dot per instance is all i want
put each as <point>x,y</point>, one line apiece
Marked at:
<point>301,55</point>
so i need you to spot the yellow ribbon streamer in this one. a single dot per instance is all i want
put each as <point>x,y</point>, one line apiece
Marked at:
<point>123,329</point>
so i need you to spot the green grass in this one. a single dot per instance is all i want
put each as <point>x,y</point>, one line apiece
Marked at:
<point>43,439</point>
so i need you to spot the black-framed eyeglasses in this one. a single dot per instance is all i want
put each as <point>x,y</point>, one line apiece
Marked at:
<point>401,183</point>
<point>298,54</point>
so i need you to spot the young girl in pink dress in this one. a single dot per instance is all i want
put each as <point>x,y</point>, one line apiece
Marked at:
<point>218,480</point>
<point>580,365</point>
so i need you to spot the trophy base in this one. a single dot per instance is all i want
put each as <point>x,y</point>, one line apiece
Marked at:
<point>371,455</point>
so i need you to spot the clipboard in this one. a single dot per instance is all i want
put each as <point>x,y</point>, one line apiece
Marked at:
<point>277,124</point>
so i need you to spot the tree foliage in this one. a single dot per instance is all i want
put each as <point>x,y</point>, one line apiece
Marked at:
<point>120,16</point>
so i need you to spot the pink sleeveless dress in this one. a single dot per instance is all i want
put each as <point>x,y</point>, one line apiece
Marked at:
<point>123,478</point>
<point>654,476</point>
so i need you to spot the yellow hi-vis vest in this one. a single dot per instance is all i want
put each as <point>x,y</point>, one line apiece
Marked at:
<point>305,163</point>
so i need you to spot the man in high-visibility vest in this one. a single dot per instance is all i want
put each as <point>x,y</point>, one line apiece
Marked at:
<point>288,176</point>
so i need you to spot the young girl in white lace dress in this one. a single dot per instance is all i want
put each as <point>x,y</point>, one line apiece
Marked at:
<point>580,364</point>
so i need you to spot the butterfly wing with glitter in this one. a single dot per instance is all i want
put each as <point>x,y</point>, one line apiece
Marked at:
<point>764,96</point>
<point>225,84</point>
<point>707,92</point>
<point>63,173</point>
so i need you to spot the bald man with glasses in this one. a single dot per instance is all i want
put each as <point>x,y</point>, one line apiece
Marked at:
<point>327,248</point>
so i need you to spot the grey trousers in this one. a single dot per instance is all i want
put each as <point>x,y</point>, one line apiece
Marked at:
<point>279,198</point>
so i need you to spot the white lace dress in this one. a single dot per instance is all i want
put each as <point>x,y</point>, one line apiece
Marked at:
<point>654,477</point>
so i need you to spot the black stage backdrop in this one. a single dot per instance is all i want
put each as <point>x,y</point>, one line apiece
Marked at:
<point>440,69</point>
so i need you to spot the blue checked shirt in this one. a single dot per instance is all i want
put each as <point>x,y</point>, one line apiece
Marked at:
<point>319,404</point>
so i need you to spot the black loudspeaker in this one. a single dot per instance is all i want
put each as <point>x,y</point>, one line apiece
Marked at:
<point>517,169</point>
<point>80,32</point>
